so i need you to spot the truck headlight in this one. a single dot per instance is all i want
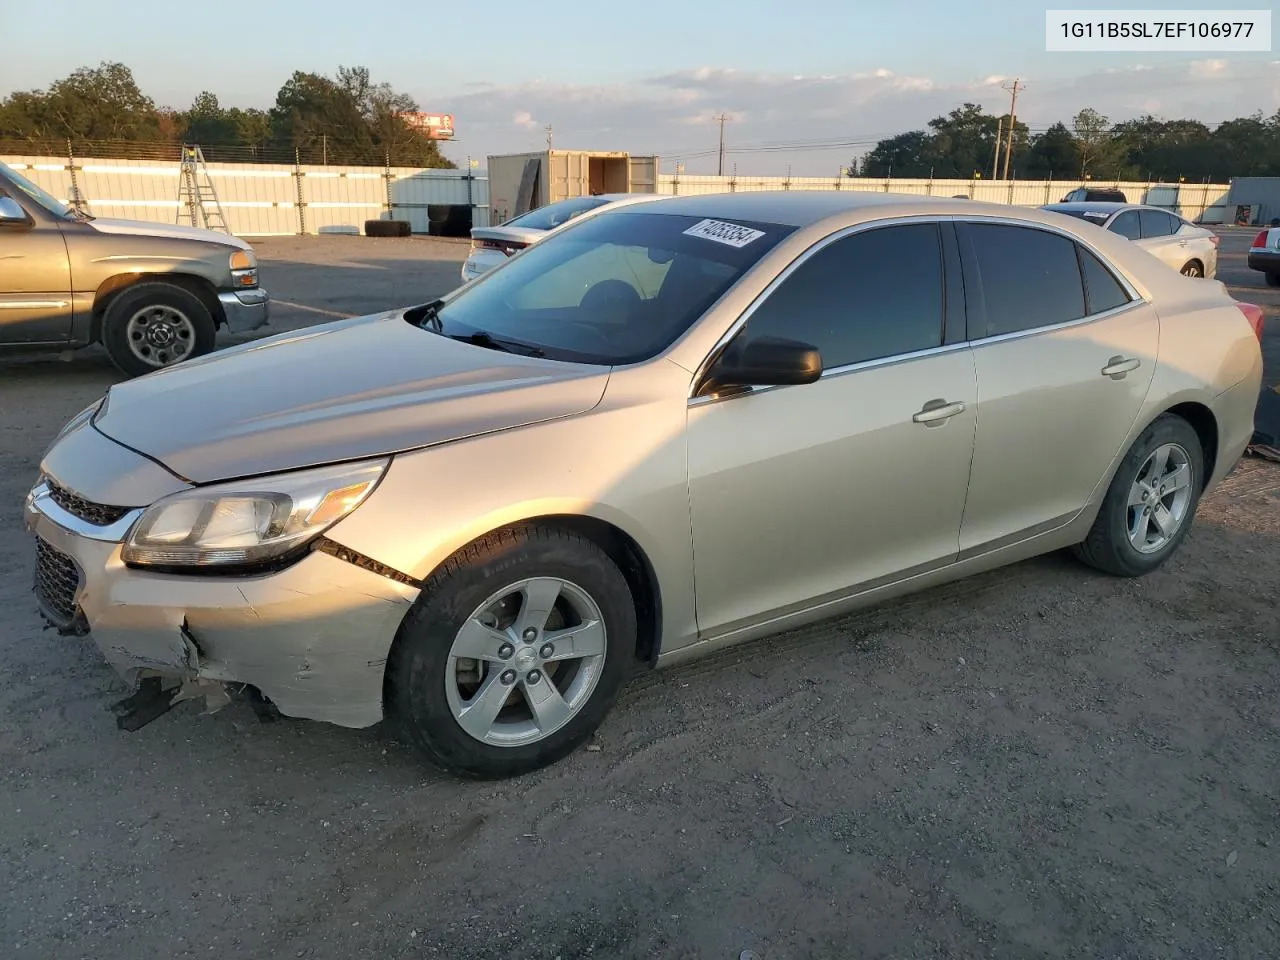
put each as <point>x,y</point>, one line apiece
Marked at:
<point>244,269</point>
<point>248,522</point>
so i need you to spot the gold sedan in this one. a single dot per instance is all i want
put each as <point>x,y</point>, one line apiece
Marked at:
<point>667,429</point>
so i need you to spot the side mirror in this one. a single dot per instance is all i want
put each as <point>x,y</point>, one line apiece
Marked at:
<point>765,362</point>
<point>11,211</point>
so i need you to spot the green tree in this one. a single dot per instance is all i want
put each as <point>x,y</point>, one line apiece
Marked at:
<point>906,155</point>
<point>100,103</point>
<point>1053,154</point>
<point>1101,154</point>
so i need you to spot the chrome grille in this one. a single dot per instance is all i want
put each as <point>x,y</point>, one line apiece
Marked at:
<point>57,580</point>
<point>98,514</point>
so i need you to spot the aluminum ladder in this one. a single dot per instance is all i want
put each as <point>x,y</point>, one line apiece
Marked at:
<point>197,199</point>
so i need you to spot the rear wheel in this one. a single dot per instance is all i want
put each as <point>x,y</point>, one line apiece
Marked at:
<point>1192,268</point>
<point>1273,279</point>
<point>154,325</point>
<point>1150,503</point>
<point>514,652</point>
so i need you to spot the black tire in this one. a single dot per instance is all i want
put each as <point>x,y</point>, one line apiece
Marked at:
<point>1192,268</point>
<point>387,228</point>
<point>166,299</point>
<point>1273,279</point>
<point>1107,548</point>
<point>417,670</point>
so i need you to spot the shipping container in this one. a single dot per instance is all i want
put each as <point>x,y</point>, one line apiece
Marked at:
<point>521,182</point>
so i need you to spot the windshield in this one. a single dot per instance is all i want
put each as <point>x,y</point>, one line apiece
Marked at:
<point>554,214</point>
<point>619,288</point>
<point>56,207</point>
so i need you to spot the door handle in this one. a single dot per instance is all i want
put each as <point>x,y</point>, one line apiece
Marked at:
<point>1118,367</point>
<point>936,411</point>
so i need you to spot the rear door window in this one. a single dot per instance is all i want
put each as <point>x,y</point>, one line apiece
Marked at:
<point>1127,225</point>
<point>1026,279</point>
<point>1156,223</point>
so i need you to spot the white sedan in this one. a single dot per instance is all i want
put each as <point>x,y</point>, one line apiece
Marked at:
<point>491,246</point>
<point>1190,249</point>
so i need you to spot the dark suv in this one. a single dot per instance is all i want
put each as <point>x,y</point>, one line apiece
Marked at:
<point>1095,195</point>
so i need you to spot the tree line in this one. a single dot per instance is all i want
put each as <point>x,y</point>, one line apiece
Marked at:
<point>343,119</point>
<point>962,145</point>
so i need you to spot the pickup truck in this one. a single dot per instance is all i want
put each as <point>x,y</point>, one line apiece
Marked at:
<point>152,294</point>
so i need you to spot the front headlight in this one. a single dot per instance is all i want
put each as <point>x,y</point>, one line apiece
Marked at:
<point>248,522</point>
<point>244,268</point>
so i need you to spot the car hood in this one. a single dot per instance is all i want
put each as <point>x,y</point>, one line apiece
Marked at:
<point>173,231</point>
<point>355,388</point>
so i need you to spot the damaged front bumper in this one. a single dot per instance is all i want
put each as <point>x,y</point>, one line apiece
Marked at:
<point>313,637</point>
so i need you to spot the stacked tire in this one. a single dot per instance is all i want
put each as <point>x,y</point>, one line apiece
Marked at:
<point>387,228</point>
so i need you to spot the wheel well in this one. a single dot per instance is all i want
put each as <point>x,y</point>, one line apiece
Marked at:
<point>1206,427</point>
<point>635,567</point>
<point>112,287</point>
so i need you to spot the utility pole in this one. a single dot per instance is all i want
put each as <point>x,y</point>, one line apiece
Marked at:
<point>995,164</point>
<point>548,136</point>
<point>722,118</point>
<point>1013,122</point>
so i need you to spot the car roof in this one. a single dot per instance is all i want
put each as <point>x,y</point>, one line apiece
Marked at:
<point>1092,206</point>
<point>1100,206</point>
<point>802,208</point>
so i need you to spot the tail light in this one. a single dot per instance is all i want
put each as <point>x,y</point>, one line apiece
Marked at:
<point>1253,313</point>
<point>1261,239</point>
<point>505,247</point>
<point>1215,240</point>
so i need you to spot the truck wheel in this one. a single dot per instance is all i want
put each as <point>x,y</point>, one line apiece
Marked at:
<point>155,325</point>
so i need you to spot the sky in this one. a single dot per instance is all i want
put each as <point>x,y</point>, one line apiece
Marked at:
<point>807,85</point>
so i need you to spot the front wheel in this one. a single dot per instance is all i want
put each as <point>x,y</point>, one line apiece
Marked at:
<point>1192,269</point>
<point>514,652</point>
<point>155,325</point>
<point>1150,503</point>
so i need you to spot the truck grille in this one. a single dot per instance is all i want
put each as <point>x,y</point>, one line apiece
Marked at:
<point>57,580</point>
<point>98,514</point>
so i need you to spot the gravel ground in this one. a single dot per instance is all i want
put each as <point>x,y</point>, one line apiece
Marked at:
<point>1038,762</point>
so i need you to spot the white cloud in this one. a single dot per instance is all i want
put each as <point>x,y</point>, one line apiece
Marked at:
<point>817,123</point>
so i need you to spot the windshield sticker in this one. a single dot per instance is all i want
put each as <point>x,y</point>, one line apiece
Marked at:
<point>721,232</point>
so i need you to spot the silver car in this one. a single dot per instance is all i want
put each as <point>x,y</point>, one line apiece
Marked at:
<point>491,246</point>
<point>1190,249</point>
<point>669,429</point>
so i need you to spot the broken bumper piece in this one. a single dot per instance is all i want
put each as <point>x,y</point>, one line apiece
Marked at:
<point>312,638</point>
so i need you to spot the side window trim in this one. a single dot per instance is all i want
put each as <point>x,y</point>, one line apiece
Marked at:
<point>976,314</point>
<point>941,222</point>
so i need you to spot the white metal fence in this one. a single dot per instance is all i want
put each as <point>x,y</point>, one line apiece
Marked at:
<point>1205,202</point>
<point>264,199</point>
<point>273,199</point>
